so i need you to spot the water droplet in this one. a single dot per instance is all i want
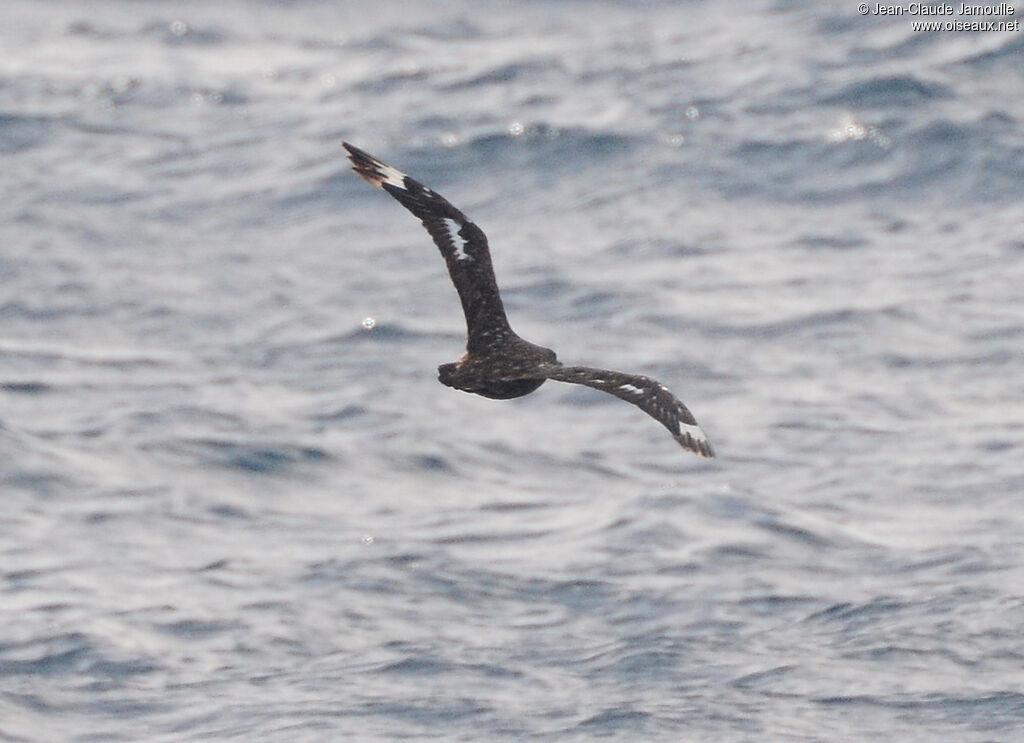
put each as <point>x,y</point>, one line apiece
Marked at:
<point>178,28</point>
<point>449,139</point>
<point>692,113</point>
<point>369,323</point>
<point>851,130</point>
<point>367,539</point>
<point>516,128</point>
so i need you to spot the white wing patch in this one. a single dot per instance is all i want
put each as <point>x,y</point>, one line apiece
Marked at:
<point>458,241</point>
<point>693,438</point>
<point>389,175</point>
<point>628,388</point>
<point>695,431</point>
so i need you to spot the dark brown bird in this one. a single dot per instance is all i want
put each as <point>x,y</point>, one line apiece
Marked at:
<point>498,363</point>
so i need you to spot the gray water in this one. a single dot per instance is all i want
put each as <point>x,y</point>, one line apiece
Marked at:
<point>232,512</point>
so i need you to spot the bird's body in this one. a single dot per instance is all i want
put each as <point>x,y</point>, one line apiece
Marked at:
<point>498,363</point>
<point>510,369</point>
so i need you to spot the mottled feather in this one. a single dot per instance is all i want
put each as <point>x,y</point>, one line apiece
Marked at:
<point>650,395</point>
<point>462,244</point>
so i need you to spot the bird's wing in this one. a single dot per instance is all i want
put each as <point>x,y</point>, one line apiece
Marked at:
<point>462,243</point>
<point>648,394</point>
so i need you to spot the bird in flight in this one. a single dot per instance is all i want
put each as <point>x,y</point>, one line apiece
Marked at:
<point>498,363</point>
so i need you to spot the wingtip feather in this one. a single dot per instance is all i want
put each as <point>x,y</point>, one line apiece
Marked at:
<point>373,171</point>
<point>700,446</point>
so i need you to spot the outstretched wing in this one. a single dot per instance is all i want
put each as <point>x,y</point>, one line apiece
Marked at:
<point>462,243</point>
<point>648,394</point>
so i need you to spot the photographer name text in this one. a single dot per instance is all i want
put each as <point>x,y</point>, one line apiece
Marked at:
<point>1003,9</point>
